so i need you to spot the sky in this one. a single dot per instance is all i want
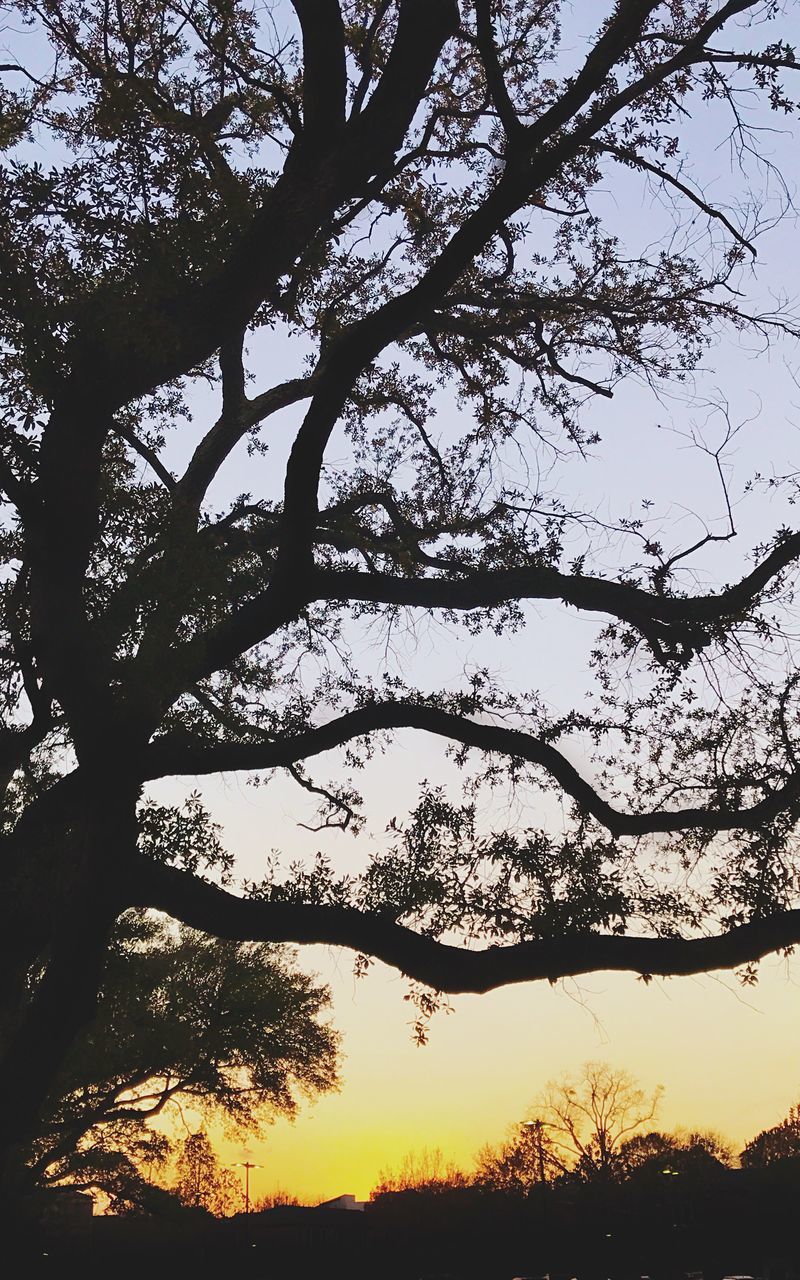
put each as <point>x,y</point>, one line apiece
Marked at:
<point>728,1057</point>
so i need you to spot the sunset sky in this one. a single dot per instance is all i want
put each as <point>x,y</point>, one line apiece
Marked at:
<point>729,1059</point>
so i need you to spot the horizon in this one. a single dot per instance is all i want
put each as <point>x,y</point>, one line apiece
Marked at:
<point>340,1143</point>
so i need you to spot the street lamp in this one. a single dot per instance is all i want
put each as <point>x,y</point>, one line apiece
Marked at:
<point>247,1165</point>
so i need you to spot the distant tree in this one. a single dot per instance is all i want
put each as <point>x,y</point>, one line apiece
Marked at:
<point>427,1170</point>
<point>782,1142</point>
<point>577,1128</point>
<point>279,1199</point>
<point>234,1029</point>
<point>525,1159</point>
<point>202,1182</point>
<point>657,1154</point>
<point>588,1117</point>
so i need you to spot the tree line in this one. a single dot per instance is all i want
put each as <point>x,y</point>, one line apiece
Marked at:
<point>597,1127</point>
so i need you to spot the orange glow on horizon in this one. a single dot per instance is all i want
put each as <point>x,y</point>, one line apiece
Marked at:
<point>728,1058</point>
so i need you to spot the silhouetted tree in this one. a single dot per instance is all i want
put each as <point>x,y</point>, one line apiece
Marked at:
<point>527,1158</point>
<point>654,1155</point>
<point>782,1142</point>
<point>201,1182</point>
<point>277,1200</point>
<point>397,206</point>
<point>421,1171</point>
<point>589,1117</point>
<point>580,1127</point>
<point>232,1029</point>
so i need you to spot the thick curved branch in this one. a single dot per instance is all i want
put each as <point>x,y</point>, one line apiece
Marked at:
<point>178,755</point>
<point>447,968</point>
<point>675,627</point>
<point>671,620</point>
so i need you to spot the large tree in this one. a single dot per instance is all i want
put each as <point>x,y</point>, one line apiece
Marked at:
<point>581,1127</point>
<point>781,1142</point>
<point>228,1029</point>
<point>400,204</point>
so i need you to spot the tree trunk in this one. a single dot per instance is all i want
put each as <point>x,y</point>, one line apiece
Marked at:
<point>60,895</point>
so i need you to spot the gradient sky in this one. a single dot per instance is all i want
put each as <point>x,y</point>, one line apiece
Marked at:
<point>729,1060</point>
<point>728,1057</point>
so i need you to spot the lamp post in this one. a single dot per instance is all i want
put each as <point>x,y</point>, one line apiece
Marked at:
<point>247,1165</point>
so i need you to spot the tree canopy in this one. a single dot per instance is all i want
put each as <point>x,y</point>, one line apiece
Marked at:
<point>202,1183</point>
<point>233,1031</point>
<point>584,1127</point>
<point>372,234</point>
<point>781,1142</point>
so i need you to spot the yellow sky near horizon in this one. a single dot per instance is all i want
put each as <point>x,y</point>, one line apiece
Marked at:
<point>728,1058</point>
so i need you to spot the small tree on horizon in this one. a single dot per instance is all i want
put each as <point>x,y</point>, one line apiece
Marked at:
<point>426,1170</point>
<point>201,1182</point>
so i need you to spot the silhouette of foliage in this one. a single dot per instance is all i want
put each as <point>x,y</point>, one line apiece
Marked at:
<point>233,1030</point>
<point>781,1142</point>
<point>427,1171</point>
<point>651,1156</point>
<point>201,1182</point>
<point>401,208</point>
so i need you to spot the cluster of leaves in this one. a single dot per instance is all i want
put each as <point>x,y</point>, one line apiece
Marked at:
<point>233,1031</point>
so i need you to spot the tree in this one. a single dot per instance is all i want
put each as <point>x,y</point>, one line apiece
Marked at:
<point>527,1158</point>
<point>234,1030</point>
<point>421,1171</point>
<point>781,1142</point>
<point>652,1156</point>
<point>201,1182</point>
<point>400,202</point>
<point>278,1200</point>
<point>581,1128</point>
<point>589,1118</point>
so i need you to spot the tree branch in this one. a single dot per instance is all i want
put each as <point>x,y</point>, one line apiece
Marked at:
<point>635,161</point>
<point>493,71</point>
<point>324,70</point>
<point>448,968</point>
<point>675,622</point>
<point>179,755</point>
